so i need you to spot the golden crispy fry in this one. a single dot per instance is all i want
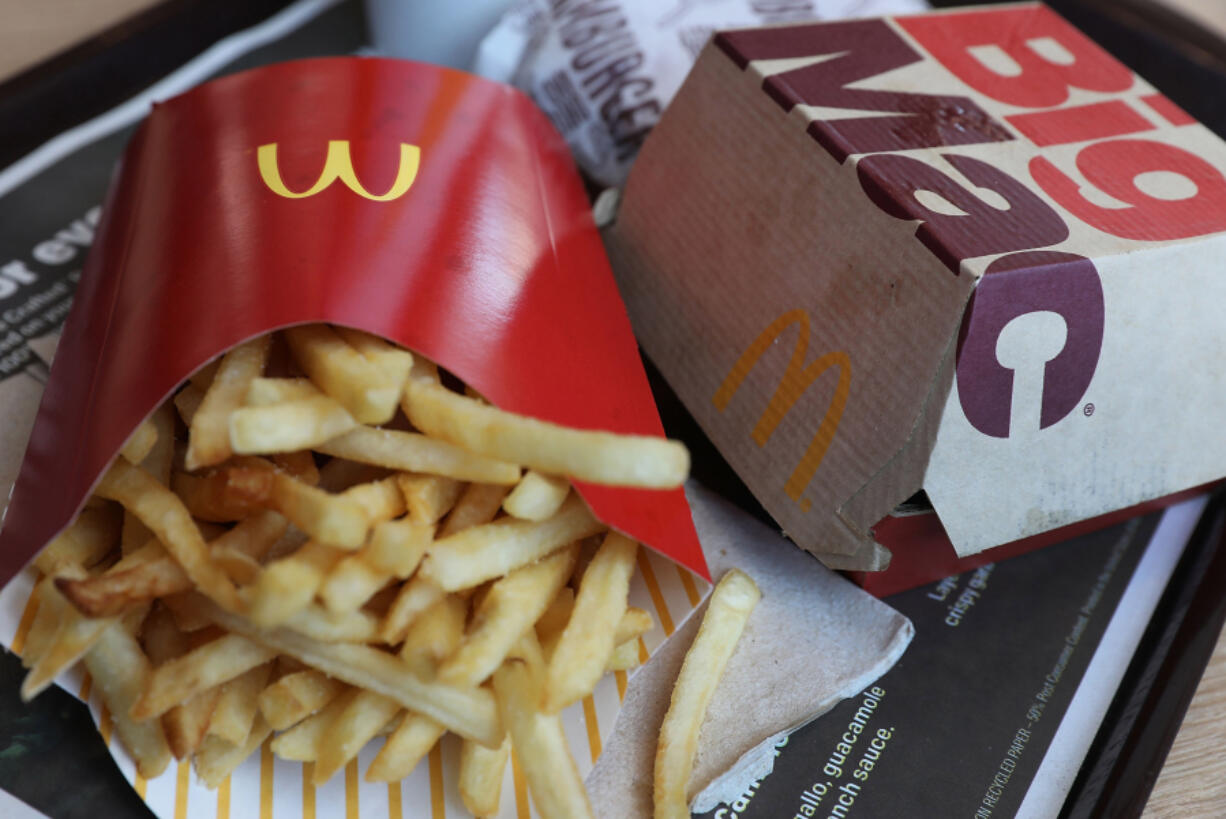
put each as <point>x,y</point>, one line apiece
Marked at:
<point>163,512</point>
<point>469,712</point>
<point>186,723</point>
<point>632,624</point>
<point>324,626</point>
<point>478,504</point>
<point>381,499</point>
<point>393,551</point>
<point>288,585</point>
<point>202,668</point>
<point>217,758</point>
<point>292,425</point>
<point>336,520</point>
<point>234,716</point>
<point>406,747</point>
<point>395,362</point>
<point>428,497</point>
<point>579,658</point>
<point>728,609</point>
<point>506,613</point>
<point>120,670</point>
<point>540,744</point>
<point>413,452</point>
<point>209,441</point>
<point>263,392</point>
<point>625,656</point>
<point>536,496</point>
<point>342,372</point>
<point>140,442</point>
<point>296,696</point>
<point>484,552</point>
<point>435,635</point>
<point>358,723</point>
<point>481,773</point>
<point>228,492</point>
<point>586,455</point>
<point>94,533</point>
<point>415,597</point>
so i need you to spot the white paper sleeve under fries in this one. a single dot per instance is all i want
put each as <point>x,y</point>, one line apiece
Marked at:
<point>475,251</point>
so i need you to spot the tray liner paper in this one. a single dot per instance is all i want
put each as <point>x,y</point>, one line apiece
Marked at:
<point>426,205</point>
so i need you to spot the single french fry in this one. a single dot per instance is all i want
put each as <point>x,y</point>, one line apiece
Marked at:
<point>292,425</point>
<point>234,716</point>
<point>325,626</point>
<point>396,547</point>
<point>288,585</point>
<point>481,773</point>
<point>428,497</point>
<point>415,597</point>
<point>46,622</point>
<point>406,747</point>
<point>625,656</point>
<point>587,455</point>
<point>494,549</point>
<point>140,442</point>
<point>296,696</point>
<point>163,512</point>
<point>579,658</point>
<point>381,500</point>
<point>633,623</point>
<point>352,581</point>
<point>209,438</point>
<point>120,670</point>
<point>263,392</point>
<point>435,635</point>
<point>732,601</point>
<point>537,496</point>
<point>202,668</point>
<point>540,744</point>
<point>217,758</point>
<point>479,503</point>
<point>395,362</point>
<point>506,613</point>
<point>227,493</point>
<point>414,452</point>
<point>85,542</point>
<point>336,520</point>
<point>357,724</point>
<point>469,712</point>
<point>343,373</point>
<point>185,724</point>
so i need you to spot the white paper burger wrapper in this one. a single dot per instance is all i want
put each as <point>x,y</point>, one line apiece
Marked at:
<point>821,638</point>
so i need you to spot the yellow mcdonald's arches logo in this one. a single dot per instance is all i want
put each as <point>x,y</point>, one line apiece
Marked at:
<point>338,164</point>
<point>796,379</point>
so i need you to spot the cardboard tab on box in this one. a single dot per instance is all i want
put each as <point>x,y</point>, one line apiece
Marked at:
<point>968,253</point>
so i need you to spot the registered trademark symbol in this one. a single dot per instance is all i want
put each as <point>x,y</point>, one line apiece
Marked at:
<point>1088,409</point>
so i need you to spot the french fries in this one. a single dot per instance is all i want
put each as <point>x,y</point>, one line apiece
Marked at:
<point>309,578</point>
<point>728,610</point>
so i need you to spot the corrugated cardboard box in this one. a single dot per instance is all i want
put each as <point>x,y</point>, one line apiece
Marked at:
<point>968,252</point>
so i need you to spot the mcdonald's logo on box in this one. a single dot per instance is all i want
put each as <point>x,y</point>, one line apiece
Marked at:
<point>967,253</point>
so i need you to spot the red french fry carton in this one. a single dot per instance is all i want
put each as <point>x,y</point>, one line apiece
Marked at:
<point>967,252</point>
<point>429,206</point>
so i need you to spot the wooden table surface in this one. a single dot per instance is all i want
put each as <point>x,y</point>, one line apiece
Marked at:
<point>1193,781</point>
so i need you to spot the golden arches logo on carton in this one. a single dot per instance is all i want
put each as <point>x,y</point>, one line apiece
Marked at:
<point>338,164</point>
<point>796,379</point>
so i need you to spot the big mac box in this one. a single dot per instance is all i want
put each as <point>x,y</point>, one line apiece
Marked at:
<point>966,253</point>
